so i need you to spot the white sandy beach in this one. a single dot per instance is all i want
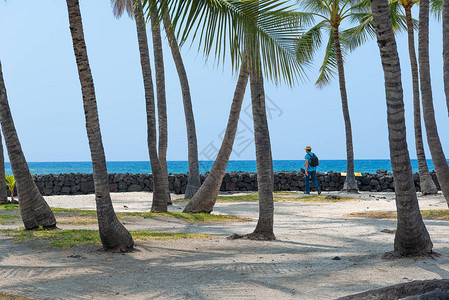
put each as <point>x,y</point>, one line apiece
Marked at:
<point>298,265</point>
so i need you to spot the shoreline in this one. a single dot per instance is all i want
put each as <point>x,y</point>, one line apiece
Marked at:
<point>179,167</point>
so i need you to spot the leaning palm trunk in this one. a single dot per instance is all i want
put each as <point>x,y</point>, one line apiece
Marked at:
<point>433,139</point>
<point>34,210</point>
<point>3,195</point>
<point>205,197</point>
<point>194,181</point>
<point>159,191</point>
<point>161,100</point>
<point>350,184</point>
<point>446,50</point>
<point>412,238</point>
<point>265,177</point>
<point>428,187</point>
<point>113,234</point>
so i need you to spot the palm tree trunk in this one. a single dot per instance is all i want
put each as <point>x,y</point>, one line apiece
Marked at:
<point>412,237</point>
<point>446,50</point>
<point>161,100</point>
<point>350,184</point>
<point>205,197</point>
<point>113,234</point>
<point>159,192</point>
<point>433,139</point>
<point>265,177</point>
<point>34,210</point>
<point>426,182</point>
<point>194,181</point>
<point>3,189</point>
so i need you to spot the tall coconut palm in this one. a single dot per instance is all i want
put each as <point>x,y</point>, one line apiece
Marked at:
<point>427,185</point>
<point>265,180</point>
<point>205,198</point>
<point>270,26</point>
<point>34,210</point>
<point>160,182</point>
<point>3,195</point>
<point>433,139</point>
<point>412,237</point>
<point>161,99</point>
<point>193,180</point>
<point>331,14</point>
<point>113,234</point>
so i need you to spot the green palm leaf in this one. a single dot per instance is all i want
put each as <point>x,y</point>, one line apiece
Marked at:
<point>329,67</point>
<point>220,27</point>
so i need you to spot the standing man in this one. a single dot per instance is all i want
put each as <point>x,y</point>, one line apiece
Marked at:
<point>311,164</point>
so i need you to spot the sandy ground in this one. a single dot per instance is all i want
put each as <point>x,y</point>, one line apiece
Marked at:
<point>298,265</point>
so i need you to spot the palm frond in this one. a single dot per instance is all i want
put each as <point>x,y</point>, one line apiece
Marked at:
<point>329,67</point>
<point>354,37</point>
<point>310,42</point>
<point>436,8</point>
<point>315,6</point>
<point>120,6</point>
<point>220,27</point>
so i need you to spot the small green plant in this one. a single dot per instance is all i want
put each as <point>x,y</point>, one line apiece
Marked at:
<point>11,183</point>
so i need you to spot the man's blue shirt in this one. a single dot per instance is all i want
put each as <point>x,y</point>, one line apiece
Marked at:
<point>307,156</point>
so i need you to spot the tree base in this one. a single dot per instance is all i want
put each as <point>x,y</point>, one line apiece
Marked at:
<point>257,236</point>
<point>426,289</point>
<point>120,249</point>
<point>201,208</point>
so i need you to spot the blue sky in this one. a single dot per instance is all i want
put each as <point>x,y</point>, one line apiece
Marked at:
<point>45,94</point>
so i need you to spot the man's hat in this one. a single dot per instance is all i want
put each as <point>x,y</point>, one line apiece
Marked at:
<point>308,148</point>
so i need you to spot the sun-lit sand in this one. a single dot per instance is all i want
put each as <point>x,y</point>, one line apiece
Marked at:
<point>320,253</point>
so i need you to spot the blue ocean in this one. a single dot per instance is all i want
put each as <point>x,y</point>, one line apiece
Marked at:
<point>361,165</point>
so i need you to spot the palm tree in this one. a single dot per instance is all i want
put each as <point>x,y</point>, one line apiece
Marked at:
<point>113,234</point>
<point>34,210</point>
<point>193,181</point>
<point>412,237</point>
<point>262,24</point>
<point>161,100</point>
<point>205,198</point>
<point>331,14</point>
<point>160,185</point>
<point>3,195</point>
<point>433,139</point>
<point>428,187</point>
<point>265,180</point>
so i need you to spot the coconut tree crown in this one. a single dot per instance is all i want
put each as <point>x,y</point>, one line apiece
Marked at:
<point>327,16</point>
<point>220,28</point>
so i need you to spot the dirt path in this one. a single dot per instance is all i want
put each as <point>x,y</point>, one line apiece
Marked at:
<point>300,264</point>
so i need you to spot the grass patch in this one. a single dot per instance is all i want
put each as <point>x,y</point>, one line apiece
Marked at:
<point>4,219</point>
<point>245,197</point>
<point>6,296</point>
<point>437,214</point>
<point>321,198</point>
<point>74,220</point>
<point>89,217</point>
<point>9,207</point>
<point>189,217</point>
<point>65,239</point>
<point>374,214</point>
<point>77,212</point>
